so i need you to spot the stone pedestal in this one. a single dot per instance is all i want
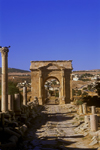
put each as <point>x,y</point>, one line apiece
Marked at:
<point>17,107</point>
<point>84,106</point>
<point>93,122</point>
<point>80,110</point>
<point>4,101</point>
<point>93,109</point>
<point>24,95</point>
<point>10,102</point>
<point>40,101</point>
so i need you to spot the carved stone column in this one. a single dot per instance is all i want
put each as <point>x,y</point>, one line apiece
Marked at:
<point>40,87</point>
<point>62,85</point>
<point>24,95</point>
<point>84,106</point>
<point>94,122</point>
<point>70,86</point>
<point>17,104</point>
<point>10,102</point>
<point>4,101</point>
<point>93,109</point>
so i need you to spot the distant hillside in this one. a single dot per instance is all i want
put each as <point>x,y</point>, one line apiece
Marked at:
<point>95,70</point>
<point>10,70</point>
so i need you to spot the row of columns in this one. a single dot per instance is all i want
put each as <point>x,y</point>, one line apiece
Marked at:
<point>14,101</point>
<point>83,109</point>
<point>8,102</point>
<point>91,119</point>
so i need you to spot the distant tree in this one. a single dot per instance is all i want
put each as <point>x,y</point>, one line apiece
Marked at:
<point>12,89</point>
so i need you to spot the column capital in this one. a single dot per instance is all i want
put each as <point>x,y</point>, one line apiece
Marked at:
<point>4,51</point>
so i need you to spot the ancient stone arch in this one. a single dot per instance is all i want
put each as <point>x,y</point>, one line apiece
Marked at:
<point>42,70</point>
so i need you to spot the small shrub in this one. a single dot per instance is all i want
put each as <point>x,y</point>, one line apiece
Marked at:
<point>79,102</point>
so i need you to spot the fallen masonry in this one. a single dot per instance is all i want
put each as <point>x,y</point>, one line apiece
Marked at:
<point>14,124</point>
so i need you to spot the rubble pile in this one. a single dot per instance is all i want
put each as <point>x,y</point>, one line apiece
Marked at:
<point>13,124</point>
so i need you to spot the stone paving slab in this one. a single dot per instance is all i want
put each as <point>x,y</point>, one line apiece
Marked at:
<point>55,132</point>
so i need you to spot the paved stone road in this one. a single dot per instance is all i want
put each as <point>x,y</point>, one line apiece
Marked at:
<point>54,130</point>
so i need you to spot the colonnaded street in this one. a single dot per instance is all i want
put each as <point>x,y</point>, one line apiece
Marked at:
<point>54,129</point>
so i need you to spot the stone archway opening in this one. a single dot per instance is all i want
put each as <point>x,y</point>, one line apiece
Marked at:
<point>52,91</point>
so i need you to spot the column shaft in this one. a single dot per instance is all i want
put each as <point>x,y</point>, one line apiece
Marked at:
<point>93,122</point>
<point>24,95</point>
<point>62,86</point>
<point>84,106</point>
<point>40,88</point>
<point>17,104</point>
<point>10,103</point>
<point>93,109</point>
<point>4,102</point>
<point>40,80</point>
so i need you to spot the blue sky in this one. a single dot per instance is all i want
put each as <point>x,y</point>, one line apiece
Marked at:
<point>51,30</point>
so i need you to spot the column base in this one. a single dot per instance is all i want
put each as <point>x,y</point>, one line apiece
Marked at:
<point>62,100</point>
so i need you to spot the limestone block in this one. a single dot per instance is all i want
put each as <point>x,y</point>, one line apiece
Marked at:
<point>94,141</point>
